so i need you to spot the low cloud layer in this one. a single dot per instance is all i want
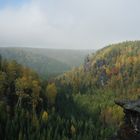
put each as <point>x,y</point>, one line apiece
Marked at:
<point>76,24</point>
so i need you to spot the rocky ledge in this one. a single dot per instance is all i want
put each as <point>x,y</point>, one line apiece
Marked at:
<point>130,129</point>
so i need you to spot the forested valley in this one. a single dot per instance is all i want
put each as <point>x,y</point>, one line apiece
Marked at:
<point>76,105</point>
<point>47,63</point>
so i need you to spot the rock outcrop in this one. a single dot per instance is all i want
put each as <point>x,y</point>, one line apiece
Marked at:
<point>130,129</point>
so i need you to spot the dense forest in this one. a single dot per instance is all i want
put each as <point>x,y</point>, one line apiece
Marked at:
<point>113,67</point>
<point>77,105</point>
<point>46,62</point>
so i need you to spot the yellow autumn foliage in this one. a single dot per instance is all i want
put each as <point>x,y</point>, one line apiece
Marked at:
<point>45,116</point>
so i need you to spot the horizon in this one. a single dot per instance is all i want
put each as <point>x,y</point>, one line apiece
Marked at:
<point>29,47</point>
<point>71,49</point>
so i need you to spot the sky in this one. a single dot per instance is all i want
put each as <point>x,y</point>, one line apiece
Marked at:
<point>68,24</point>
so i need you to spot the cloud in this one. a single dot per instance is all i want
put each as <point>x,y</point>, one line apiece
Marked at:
<point>21,25</point>
<point>69,24</point>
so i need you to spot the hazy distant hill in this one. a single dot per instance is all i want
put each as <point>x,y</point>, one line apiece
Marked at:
<point>70,57</point>
<point>46,62</point>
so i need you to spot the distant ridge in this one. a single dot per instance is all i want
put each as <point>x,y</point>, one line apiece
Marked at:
<point>47,62</point>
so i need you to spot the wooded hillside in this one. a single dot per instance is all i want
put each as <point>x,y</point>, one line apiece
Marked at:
<point>77,105</point>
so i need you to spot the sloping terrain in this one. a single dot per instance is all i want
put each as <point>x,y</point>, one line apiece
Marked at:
<point>111,73</point>
<point>77,105</point>
<point>113,67</point>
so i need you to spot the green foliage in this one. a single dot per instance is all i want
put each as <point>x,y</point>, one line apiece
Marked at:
<point>110,73</point>
<point>113,67</point>
<point>80,103</point>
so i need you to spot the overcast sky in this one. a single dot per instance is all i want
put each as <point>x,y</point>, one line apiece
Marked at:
<point>74,24</point>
